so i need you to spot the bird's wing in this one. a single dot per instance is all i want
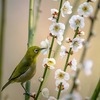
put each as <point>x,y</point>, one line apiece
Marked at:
<point>21,68</point>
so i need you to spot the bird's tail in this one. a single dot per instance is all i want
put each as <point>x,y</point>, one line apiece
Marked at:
<point>5,85</point>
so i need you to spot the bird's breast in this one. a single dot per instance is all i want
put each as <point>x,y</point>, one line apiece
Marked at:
<point>27,75</point>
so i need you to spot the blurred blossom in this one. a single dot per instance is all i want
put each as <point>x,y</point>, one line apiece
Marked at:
<point>76,21</point>
<point>52,98</point>
<point>45,92</point>
<point>59,39</point>
<point>63,51</point>
<point>57,29</point>
<point>87,98</point>
<point>87,66</point>
<point>76,44</point>
<point>40,79</point>
<point>66,9</point>
<point>64,85</point>
<point>73,64</point>
<point>68,40</point>
<point>77,81</point>
<point>54,13</point>
<point>81,33</point>
<point>74,96</point>
<point>49,62</point>
<point>56,0</point>
<point>61,75</point>
<point>45,44</point>
<point>85,9</point>
<point>93,0</point>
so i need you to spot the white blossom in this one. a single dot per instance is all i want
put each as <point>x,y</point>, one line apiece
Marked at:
<point>40,79</point>
<point>45,44</point>
<point>81,33</point>
<point>76,21</point>
<point>74,96</point>
<point>59,39</point>
<point>56,0</point>
<point>54,15</point>
<point>87,66</point>
<point>57,29</point>
<point>52,98</point>
<point>64,85</point>
<point>73,64</point>
<point>66,9</point>
<point>45,92</point>
<point>93,0</point>
<point>68,40</point>
<point>77,81</point>
<point>50,62</point>
<point>63,51</point>
<point>76,44</point>
<point>61,75</point>
<point>85,9</point>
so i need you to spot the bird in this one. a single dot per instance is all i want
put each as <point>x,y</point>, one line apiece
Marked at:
<point>26,69</point>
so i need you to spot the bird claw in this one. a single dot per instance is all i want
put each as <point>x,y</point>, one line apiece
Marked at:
<point>27,93</point>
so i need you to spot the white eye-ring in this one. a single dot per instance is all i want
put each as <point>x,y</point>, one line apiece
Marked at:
<point>35,50</point>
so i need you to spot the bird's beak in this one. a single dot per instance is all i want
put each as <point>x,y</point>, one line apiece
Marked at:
<point>42,48</point>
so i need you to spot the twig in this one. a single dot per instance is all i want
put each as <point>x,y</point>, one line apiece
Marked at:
<point>67,60</point>
<point>2,24</point>
<point>76,2</point>
<point>96,91</point>
<point>92,19</point>
<point>30,38</point>
<point>37,17</point>
<point>49,55</point>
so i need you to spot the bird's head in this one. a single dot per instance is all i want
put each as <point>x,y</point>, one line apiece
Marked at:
<point>34,51</point>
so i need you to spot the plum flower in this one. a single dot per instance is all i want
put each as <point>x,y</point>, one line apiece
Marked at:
<point>64,85</point>
<point>85,9</point>
<point>57,29</point>
<point>68,40</point>
<point>54,15</point>
<point>52,98</point>
<point>45,44</point>
<point>74,96</point>
<point>76,44</point>
<point>59,39</point>
<point>63,51</point>
<point>66,9</point>
<point>76,21</point>
<point>49,62</point>
<point>45,92</point>
<point>73,64</point>
<point>61,75</point>
<point>87,66</point>
<point>56,0</point>
<point>92,0</point>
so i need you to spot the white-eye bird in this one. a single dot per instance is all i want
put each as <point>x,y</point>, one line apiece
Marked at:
<point>26,69</point>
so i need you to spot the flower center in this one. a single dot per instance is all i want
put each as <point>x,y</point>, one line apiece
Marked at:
<point>61,75</point>
<point>56,28</point>
<point>76,43</point>
<point>65,8</point>
<point>85,8</point>
<point>77,22</point>
<point>50,62</point>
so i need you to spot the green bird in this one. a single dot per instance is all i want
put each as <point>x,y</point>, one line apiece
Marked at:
<point>26,69</point>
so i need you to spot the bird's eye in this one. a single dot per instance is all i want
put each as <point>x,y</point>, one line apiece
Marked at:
<point>36,51</point>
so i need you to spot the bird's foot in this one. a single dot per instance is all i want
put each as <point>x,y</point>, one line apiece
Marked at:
<point>29,94</point>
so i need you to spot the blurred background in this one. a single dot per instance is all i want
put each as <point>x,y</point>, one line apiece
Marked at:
<point>15,46</point>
